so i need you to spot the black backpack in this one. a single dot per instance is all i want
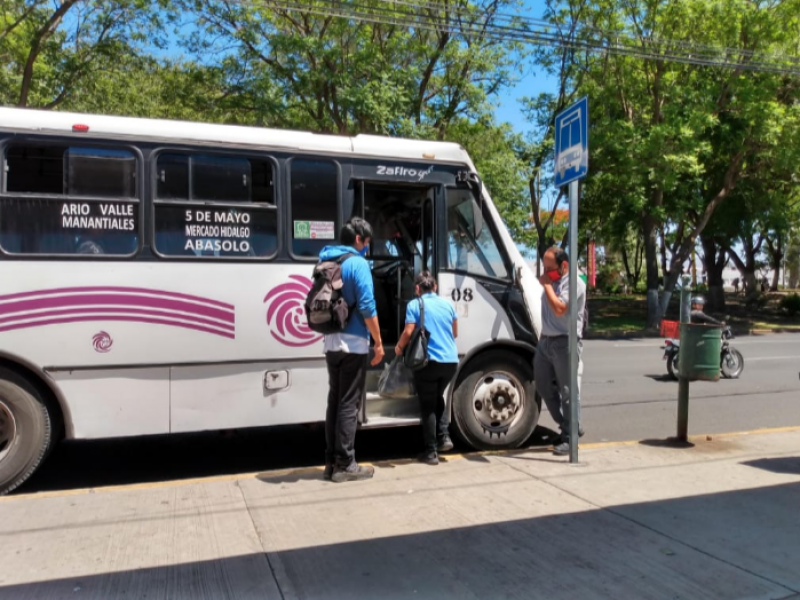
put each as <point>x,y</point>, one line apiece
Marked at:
<point>326,309</point>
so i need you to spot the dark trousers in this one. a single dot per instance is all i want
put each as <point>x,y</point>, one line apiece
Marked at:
<point>347,378</point>
<point>431,383</point>
<point>551,370</point>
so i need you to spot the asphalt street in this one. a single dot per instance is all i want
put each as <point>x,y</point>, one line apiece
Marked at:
<point>626,396</point>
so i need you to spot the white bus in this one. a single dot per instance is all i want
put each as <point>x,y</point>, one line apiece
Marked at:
<point>154,272</point>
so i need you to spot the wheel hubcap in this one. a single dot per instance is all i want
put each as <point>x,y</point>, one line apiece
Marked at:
<point>8,430</point>
<point>497,402</point>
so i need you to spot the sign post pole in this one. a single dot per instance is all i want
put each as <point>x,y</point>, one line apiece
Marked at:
<point>683,381</point>
<point>572,165</point>
<point>573,322</point>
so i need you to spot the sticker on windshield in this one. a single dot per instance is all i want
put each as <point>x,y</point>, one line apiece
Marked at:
<point>314,230</point>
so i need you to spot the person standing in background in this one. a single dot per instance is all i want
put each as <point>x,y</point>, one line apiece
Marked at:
<point>551,363</point>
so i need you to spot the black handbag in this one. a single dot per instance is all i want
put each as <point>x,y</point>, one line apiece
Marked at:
<point>415,356</point>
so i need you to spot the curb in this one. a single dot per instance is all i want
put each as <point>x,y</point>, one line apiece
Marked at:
<point>316,471</point>
<point>776,330</point>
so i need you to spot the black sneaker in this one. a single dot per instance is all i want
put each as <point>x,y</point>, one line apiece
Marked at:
<point>445,444</point>
<point>428,457</point>
<point>327,475</point>
<point>561,449</point>
<point>354,472</point>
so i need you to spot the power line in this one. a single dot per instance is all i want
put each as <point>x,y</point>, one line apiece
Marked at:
<point>504,27</point>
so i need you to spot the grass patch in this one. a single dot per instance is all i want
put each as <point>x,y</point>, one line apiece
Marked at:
<point>602,324</point>
<point>771,326</point>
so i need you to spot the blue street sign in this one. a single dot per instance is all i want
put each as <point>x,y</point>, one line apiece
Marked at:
<point>572,143</point>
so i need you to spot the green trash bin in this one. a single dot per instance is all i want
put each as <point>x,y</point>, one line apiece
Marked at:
<point>699,358</point>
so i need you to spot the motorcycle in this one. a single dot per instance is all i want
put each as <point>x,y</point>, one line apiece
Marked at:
<point>731,360</point>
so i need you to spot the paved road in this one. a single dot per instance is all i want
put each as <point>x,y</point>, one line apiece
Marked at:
<point>626,396</point>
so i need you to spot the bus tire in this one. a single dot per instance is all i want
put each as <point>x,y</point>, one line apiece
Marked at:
<point>25,430</point>
<point>494,402</point>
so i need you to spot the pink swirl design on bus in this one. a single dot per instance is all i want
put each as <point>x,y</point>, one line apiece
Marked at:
<point>286,314</point>
<point>102,342</point>
<point>58,306</point>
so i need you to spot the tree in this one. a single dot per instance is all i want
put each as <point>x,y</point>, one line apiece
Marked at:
<point>50,49</point>
<point>677,138</point>
<point>345,76</point>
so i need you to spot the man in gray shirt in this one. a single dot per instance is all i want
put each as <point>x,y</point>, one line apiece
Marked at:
<point>551,364</point>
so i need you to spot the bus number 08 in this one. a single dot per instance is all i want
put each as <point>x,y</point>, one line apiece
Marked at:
<point>459,295</point>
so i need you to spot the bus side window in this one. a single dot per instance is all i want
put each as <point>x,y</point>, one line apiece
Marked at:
<point>215,205</point>
<point>314,205</point>
<point>62,199</point>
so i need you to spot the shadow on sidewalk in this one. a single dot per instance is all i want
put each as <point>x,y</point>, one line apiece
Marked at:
<point>725,546</point>
<point>122,461</point>
<point>667,443</point>
<point>784,465</point>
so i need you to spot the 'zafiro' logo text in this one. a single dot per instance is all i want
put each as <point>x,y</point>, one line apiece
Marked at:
<point>420,174</point>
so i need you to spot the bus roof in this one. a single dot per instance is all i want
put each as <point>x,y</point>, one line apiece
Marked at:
<point>22,120</point>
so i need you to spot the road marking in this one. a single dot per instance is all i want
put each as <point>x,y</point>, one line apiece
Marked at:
<point>792,357</point>
<point>650,344</point>
<point>747,342</point>
<point>278,473</point>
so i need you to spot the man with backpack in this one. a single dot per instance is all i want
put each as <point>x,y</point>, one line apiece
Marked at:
<point>341,305</point>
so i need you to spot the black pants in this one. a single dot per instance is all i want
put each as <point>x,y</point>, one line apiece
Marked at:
<point>347,377</point>
<point>431,383</point>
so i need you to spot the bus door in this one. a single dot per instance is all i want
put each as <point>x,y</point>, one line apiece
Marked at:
<point>402,217</point>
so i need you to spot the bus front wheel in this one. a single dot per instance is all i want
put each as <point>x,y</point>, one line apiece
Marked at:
<point>494,402</point>
<point>25,430</point>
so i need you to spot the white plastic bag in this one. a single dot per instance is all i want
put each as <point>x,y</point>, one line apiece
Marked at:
<point>396,380</point>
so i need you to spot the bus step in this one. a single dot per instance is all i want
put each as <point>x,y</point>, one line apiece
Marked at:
<point>379,422</point>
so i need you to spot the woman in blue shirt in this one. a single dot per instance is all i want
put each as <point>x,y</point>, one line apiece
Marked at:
<point>442,326</point>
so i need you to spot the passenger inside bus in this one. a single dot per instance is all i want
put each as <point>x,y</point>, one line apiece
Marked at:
<point>396,253</point>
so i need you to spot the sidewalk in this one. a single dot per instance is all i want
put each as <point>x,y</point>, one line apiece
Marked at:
<point>718,520</point>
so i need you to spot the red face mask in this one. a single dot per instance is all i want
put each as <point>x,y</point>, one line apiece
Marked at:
<point>554,275</point>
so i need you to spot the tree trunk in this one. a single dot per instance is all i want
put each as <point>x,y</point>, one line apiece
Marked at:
<point>638,262</point>
<point>650,230</point>
<point>776,253</point>
<point>715,260</point>
<point>626,263</point>
<point>37,44</point>
<point>747,268</point>
<point>663,251</point>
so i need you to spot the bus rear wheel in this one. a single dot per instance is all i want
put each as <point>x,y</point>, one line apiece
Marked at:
<point>494,402</point>
<point>25,430</point>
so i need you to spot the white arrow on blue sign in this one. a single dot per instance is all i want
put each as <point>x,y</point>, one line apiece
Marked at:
<point>572,143</point>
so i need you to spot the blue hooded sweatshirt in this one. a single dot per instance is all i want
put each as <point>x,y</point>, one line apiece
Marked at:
<point>357,288</point>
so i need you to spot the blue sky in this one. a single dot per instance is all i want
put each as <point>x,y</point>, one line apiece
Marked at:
<point>532,82</point>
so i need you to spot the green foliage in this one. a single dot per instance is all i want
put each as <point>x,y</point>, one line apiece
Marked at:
<point>347,76</point>
<point>673,144</point>
<point>50,50</point>
<point>790,304</point>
